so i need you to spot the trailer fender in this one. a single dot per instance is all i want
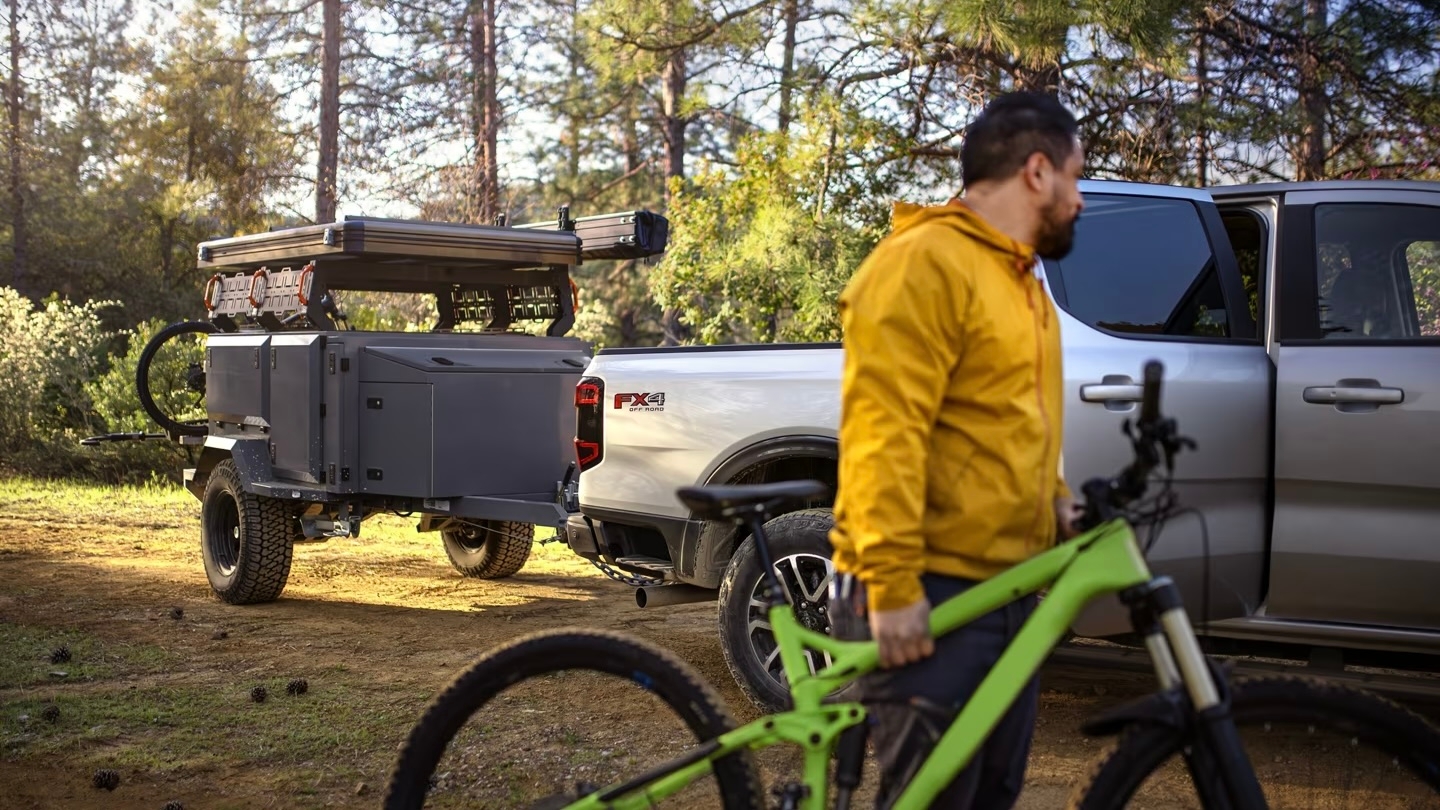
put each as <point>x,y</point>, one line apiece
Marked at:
<point>251,456</point>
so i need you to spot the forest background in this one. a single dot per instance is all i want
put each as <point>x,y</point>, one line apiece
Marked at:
<point>774,134</point>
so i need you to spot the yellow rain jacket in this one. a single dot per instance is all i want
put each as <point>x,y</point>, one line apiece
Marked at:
<point>951,402</point>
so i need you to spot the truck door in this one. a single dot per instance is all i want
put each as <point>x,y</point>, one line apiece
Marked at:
<point>1152,275</point>
<point>1357,411</point>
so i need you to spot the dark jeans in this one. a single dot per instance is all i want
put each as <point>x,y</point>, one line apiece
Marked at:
<point>910,707</point>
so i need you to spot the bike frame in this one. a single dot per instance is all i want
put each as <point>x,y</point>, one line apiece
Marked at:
<point>1102,561</point>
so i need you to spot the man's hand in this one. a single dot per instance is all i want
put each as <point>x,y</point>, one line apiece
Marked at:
<point>903,634</point>
<point>1068,512</point>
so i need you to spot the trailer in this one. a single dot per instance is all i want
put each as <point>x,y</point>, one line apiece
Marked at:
<point>310,426</point>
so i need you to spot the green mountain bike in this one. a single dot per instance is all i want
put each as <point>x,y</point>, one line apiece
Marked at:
<point>1186,738</point>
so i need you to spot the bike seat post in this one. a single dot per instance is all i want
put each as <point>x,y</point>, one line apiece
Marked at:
<point>755,520</point>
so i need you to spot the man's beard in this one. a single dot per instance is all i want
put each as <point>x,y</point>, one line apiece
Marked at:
<point>1057,234</point>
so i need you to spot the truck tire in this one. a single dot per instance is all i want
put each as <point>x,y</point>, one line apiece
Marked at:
<point>247,541</point>
<point>489,549</point>
<point>800,547</point>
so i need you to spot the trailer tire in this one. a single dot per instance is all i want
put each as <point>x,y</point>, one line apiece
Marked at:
<point>247,541</point>
<point>489,549</point>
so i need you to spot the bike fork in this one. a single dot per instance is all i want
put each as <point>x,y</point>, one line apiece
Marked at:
<point>1217,754</point>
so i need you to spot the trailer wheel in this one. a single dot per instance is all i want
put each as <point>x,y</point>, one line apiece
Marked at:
<point>247,541</point>
<point>489,549</point>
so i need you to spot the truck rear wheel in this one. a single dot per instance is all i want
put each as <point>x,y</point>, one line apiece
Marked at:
<point>489,549</point>
<point>247,541</point>
<point>800,546</point>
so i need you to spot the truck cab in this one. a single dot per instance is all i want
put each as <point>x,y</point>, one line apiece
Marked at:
<point>1299,328</point>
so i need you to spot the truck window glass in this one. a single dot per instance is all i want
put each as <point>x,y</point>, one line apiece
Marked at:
<point>1246,231</point>
<point>1377,271</point>
<point>1143,266</point>
<point>1423,261</point>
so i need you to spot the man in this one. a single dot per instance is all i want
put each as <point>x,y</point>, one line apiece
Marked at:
<point>950,436</point>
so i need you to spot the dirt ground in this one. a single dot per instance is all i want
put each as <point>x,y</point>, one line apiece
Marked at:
<point>376,625</point>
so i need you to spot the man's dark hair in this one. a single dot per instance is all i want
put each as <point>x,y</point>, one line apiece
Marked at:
<point>1009,130</point>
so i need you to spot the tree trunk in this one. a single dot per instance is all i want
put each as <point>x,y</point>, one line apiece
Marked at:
<point>15,97</point>
<point>1202,129</point>
<point>630,140</point>
<point>573,92</point>
<point>1313,104</point>
<point>673,124</point>
<point>485,201</point>
<point>327,171</point>
<point>787,65</point>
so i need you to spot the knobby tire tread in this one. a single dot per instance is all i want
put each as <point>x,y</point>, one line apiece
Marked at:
<point>544,652</point>
<point>1144,747</point>
<point>507,549</point>
<point>266,542</point>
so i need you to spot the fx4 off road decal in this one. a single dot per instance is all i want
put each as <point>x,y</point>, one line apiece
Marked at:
<point>640,402</point>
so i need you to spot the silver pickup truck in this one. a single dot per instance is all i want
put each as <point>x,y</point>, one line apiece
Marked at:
<point>1299,326</point>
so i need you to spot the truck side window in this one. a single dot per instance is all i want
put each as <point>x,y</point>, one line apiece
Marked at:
<point>1143,266</point>
<point>1422,259</point>
<point>1247,234</point>
<point>1377,271</point>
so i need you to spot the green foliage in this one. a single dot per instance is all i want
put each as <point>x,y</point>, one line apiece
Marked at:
<point>51,352</point>
<point>761,253</point>
<point>57,390</point>
<point>116,400</point>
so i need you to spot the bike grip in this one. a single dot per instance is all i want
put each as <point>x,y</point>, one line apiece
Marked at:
<point>1150,394</point>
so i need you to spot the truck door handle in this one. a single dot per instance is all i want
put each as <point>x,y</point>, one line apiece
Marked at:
<point>1354,393</point>
<point>1110,393</point>
<point>1117,391</point>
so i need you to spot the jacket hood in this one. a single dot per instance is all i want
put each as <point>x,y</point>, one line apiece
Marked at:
<point>956,214</point>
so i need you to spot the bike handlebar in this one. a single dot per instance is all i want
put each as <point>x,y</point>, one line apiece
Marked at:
<point>1150,393</point>
<point>1106,498</point>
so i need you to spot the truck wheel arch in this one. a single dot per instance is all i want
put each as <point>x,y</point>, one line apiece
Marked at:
<point>777,459</point>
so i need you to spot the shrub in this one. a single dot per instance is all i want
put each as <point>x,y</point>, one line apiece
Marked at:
<point>58,386</point>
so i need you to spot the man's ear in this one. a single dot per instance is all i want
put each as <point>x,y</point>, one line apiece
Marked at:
<point>1036,172</point>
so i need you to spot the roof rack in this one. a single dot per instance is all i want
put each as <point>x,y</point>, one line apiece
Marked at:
<point>496,273</point>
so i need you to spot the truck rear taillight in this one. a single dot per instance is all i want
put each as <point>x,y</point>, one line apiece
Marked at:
<point>587,394</point>
<point>589,422</point>
<point>587,454</point>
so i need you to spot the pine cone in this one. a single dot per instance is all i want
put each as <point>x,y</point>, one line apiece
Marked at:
<point>298,686</point>
<point>51,713</point>
<point>258,694</point>
<point>105,779</point>
<point>219,635</point>
<point>172,805</point>
<point>60,655</point>
<point>177,613</point>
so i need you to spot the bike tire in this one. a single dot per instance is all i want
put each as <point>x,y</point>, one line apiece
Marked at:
<point>142,376</point>
<point>1144,748</point>
<point>669,678</point>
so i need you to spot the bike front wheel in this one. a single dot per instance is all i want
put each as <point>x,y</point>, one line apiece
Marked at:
<point>1312,744</point>
<point>509,731</point>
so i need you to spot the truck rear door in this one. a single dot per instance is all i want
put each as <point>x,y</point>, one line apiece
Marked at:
<point>1357,412</point>
<point>1152,275</point>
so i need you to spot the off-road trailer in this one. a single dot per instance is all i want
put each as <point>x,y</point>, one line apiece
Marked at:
<point>311,426</point>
